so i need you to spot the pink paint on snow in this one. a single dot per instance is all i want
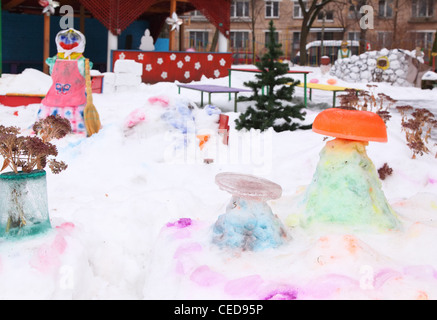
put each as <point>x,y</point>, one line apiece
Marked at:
<point>163,101</point>
<point>206,277</point>
<point>48,257</point>
<point>246,286</point>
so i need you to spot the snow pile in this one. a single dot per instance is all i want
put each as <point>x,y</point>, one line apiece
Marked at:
<point>128,75</point>
<point>133,215</point>
<point>430,76</point>
<point>31,81</point>
<point>363,68</point>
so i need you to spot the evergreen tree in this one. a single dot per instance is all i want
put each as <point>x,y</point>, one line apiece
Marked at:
<point>273,109</point>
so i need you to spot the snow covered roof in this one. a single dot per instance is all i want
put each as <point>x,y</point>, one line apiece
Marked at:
<point>430,75</point>
<point>331,43</point>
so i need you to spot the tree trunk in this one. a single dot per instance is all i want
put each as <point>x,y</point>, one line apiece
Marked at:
<point>362,47</point>
<point>434,51</point>
<point>434,46</point>
<point>214,41</point>
<point>303,58</point>
<point>395,24</point>
<point>253,31</point>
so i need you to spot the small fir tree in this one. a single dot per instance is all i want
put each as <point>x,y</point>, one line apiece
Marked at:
<point>272,110</point>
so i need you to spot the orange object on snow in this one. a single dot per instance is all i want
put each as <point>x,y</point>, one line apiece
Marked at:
<point>351,125</point>
<point>203,139</point>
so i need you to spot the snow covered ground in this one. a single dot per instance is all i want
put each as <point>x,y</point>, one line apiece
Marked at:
<point>116,212</point>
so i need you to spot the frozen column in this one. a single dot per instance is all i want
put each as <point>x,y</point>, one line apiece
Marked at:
<point>249,223</point>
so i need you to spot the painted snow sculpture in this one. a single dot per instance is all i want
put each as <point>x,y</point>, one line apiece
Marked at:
<point>325,65</point>
<point>345,189</point>
<point>344,52</point>
<point>249,223</point>
<point>67,95</point>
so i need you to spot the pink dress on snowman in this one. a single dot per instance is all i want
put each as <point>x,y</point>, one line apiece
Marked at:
<point>67,95</point>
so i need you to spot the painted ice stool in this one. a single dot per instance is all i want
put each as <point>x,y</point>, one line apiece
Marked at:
<point>346,189</point>
<point>249,223</point>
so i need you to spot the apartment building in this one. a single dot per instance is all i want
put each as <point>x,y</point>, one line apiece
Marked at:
<point>405,24</point>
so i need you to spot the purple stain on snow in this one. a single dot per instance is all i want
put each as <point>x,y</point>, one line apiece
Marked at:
<point>282,295</point>
<point>185,250</point>
<point>181,223</point>
<point>421,272</point>
<point>385,275</point>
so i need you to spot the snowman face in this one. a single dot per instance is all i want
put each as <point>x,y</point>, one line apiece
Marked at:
<point>69,40</point>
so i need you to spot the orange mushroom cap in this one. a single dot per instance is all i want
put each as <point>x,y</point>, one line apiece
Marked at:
<point>351,125</point>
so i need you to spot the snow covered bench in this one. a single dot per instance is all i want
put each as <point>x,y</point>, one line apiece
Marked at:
<point>326,87</point>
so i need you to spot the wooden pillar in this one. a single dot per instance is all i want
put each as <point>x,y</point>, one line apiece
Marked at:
<point>82,19</point>
<point>182,38</point>
<point>46,42</point>
<point>172,37</point>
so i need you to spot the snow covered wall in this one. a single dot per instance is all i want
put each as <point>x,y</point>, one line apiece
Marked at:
<point>363,68</point>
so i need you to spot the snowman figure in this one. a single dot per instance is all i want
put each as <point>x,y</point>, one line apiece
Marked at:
<point>147,42</point>
<point>67,95</point>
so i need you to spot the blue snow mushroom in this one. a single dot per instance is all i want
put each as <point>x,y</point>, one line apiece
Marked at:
<point>250,226</point>
<point>180,117</point>
<point>211,110</point>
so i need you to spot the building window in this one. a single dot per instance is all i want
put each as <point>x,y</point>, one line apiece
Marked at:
<point>297,10</point>
<point>385,39</point>
<point>240,39</point>
<point>329,16</point>
<point>296,40</point>
<point>267,37</point>
<point>385,9</point>
<point>199,39</point>
<point>326,36</point>
<point>354,36</point>
<point>354,12</point>
<point>196,13</point>
<point>240,9</point>
<point>272,9</point>
<point>423,39</point>
<point>422,8</point>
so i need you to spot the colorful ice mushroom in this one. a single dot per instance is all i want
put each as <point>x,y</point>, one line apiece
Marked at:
<point>249,223</point>
<point>346,189</point>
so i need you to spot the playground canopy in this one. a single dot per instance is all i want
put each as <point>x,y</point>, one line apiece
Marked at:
<point>117,15</point>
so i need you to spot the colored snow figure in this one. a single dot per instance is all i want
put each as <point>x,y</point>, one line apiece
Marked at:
<point>67,95</point>
<point>346,189</point>
<point>249,223</point>
<point>344,52</point>
<point>180,117</point>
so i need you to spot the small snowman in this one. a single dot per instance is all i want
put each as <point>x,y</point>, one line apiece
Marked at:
<point>147,42</point>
